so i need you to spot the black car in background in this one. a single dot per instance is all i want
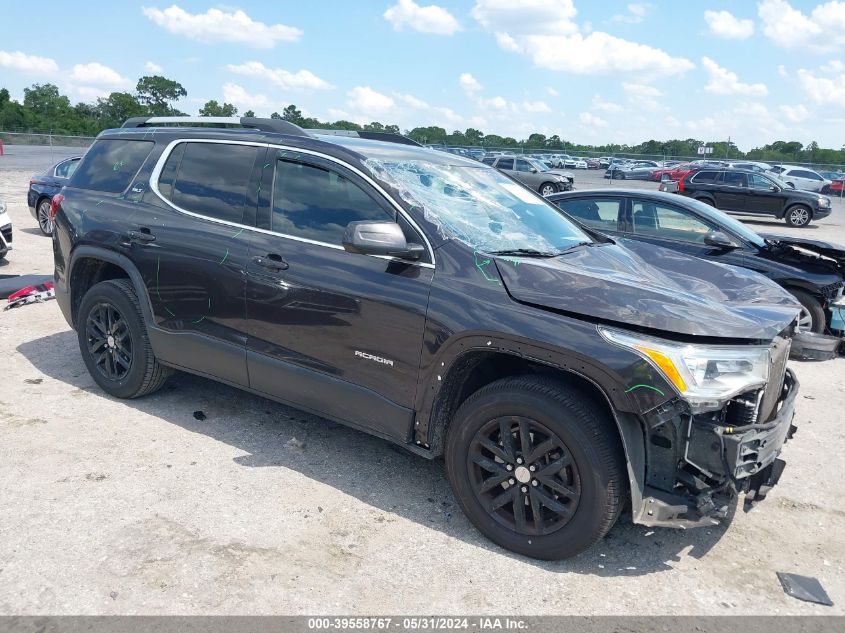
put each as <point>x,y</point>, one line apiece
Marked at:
<point>813,272</point>
<point>42,188</point>
<point>749,193</point>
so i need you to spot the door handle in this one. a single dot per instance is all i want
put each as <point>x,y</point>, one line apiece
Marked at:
<point>142,235</point>
<point>271,261</point>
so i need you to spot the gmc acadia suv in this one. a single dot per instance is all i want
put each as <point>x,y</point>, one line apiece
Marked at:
<point>435,302</point>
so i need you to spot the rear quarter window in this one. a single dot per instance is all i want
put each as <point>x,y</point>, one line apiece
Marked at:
<point>703,177</point>
<point>111,164</point>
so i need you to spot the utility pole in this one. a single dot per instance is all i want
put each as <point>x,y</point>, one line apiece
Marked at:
<point>727,148</point>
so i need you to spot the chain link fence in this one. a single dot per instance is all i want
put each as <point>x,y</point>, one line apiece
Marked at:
<point>33,138</point>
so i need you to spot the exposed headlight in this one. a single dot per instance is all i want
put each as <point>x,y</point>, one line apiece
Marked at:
<point>706,376</point>
<point>824,201</point>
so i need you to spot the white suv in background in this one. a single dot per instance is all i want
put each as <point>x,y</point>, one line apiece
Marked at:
<point>801,178</point>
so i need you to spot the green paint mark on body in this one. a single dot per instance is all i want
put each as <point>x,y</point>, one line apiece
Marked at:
<point>225,257</point>
<point>629,390</point>
<point>238,233</point>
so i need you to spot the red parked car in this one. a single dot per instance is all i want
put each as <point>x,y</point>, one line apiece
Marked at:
<point>676,173</point>
<point>837,187</point>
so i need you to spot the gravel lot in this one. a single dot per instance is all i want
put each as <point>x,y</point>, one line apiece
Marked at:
<point>136,507</point>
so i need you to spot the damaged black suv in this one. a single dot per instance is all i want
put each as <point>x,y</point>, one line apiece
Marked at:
<point>435,302</point>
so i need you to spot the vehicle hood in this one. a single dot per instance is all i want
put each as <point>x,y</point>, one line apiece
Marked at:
<point>636,284</point>
<point>819,247</point>
<point>560,172</point>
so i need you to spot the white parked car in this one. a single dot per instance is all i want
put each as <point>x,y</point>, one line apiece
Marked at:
<point>579,163</point>
<point>801,178</point>
<point>5,231</point>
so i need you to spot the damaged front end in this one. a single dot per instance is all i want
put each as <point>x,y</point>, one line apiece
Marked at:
<point>700,452</point>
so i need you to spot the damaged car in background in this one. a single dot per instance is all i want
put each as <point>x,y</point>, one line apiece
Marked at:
<point>563,375</point>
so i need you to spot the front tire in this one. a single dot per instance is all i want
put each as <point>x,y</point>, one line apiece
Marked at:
<point>798,216</point>
<point>536,467</point>
<point>114,343</point>
<point>812,317</point>
<point>547,189</point>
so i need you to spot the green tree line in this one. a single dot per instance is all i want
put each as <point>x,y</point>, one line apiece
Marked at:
<point>45,109</point>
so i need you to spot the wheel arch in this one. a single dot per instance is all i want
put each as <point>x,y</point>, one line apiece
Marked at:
<point>90,265</point>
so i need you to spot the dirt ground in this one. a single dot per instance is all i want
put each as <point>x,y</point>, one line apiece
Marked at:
<point>136,507</point>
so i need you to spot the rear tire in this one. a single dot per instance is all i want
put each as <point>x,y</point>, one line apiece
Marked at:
<point>526,429</point>
<point>42,215</point>
<point>114,343</point>
<point>798,216</point>
<point>812,313</point>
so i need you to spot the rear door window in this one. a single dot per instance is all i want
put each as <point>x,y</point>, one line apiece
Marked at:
<point>732,179</point>
<point>601,214</point>
<point>210,179</point>
<point>111,164</point>
<point>704,177</point>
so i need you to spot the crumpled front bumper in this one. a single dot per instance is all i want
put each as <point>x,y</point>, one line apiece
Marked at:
<point>740,459</point>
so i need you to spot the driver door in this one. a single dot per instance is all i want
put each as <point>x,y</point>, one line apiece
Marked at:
<point>334,332</point>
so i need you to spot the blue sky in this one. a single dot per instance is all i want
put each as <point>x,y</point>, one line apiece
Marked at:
<point>596,72</point>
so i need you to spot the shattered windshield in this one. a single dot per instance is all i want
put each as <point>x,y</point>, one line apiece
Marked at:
<point>480,206</point>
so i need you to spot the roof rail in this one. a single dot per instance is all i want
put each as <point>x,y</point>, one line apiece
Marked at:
<point>386,137</point>
<point>279,126</point>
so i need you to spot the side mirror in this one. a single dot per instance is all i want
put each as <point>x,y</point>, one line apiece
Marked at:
<point>774,188</point>
<point>533,171</point>
<point>379,238</point>
<point>718,239</point>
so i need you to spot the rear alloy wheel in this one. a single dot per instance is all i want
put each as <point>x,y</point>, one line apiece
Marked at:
<point>798,216</point>
<point>812,317</point>
<point>45,220</point>
<point>114,343</point>
<point>536,467</point>
<point>547,189</point>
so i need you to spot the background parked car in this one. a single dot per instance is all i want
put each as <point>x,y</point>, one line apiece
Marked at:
<point>5,231</point>
<point>751,166</point>
<point>747,193</point>
<point>535,175</point>
<point>801,178</point>
<point>694,228</point>
<point>639,170</point>
<point>42,188</point>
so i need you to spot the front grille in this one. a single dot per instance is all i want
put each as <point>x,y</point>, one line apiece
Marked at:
<point>777,371</point>
<point>7,233</point>
<point>832,291</point>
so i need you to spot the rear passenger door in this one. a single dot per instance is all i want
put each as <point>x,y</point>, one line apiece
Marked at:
<point>731,191</point>
<point>191,247</point>
<point>334,332</point>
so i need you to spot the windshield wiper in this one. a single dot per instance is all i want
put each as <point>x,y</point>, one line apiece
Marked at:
<point>530,252</point>
<point>523,252</point>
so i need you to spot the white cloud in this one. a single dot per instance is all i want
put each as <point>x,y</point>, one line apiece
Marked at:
<point>823,90</point>
<point>643,96</point>
<point>833,66</point>
<point>470,84</point>
<point>300,80</point>
<point>726,25</point>
<point>534,107</point>
<point>591,120</point>
<point>782,71</point>
<point>27,63</point>
<point>427,19</point>
<point>95,73</point>
<point>605,106</point>
<point>219,26</point>
<point>724,82</point>
<point>238,96</point>
<point>641,89</point>
<point>546,32</point>
<point>496,103</point>
<point>823,29</point>
<point>637,12</point>
<point>552,91</point>
<point>796,114</point>
<point>526,16</point>
<point>369,103</point>
<point>152,67</point>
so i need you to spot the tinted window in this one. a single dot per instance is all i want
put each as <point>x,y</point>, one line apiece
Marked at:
<point>599,214</point>
<point>488,161</point>
<point>505,163</point>
<point>66,169</point>
<point>733,179</point>
<point>212,179</point>
<point>659,220</point>
<point>523,165</point>
<point>317,204</point>
<point>756,181</point>
<point>110,164</point>
<point>704,177</point>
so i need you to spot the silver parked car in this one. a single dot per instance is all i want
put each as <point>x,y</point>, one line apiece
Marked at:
<point>639,170</point>
<point>535,175</point>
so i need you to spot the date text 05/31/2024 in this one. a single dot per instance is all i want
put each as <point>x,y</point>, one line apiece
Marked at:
<point>430,623</point>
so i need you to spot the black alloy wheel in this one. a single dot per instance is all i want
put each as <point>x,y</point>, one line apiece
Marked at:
<point>109,341</point>
<point>524,475</point>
